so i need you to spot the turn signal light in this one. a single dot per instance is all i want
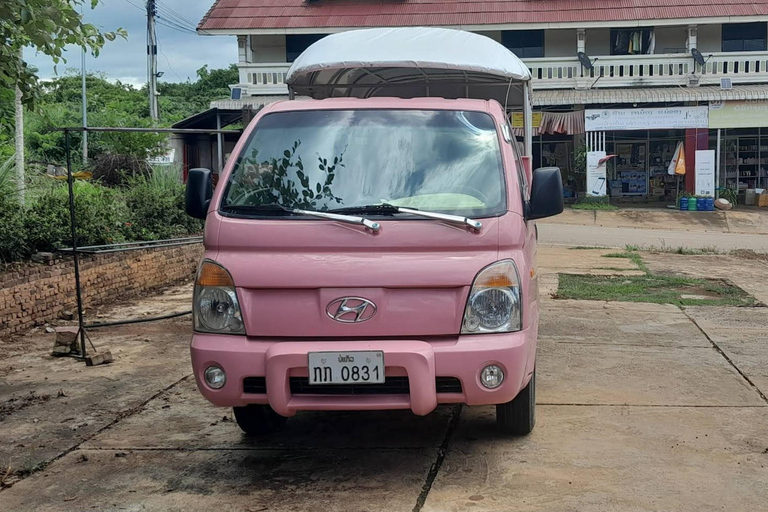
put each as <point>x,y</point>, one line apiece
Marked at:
<point>211,274</point>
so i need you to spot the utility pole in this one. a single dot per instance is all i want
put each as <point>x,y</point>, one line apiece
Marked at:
<point>19,136</point>
<point>85,108</point>
<point>152,59</point>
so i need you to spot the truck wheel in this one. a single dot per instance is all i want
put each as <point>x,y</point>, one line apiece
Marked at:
<point>519,416</point>
<point>256,419</point>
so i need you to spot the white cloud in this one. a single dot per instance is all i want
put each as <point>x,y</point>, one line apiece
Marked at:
<point>181,51</point>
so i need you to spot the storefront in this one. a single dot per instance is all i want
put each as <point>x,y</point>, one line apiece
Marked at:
<point>643,141</point>
<point>743,143</point>
<point>553,142</point>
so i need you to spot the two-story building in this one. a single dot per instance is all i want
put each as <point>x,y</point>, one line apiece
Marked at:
<point>632,77</point>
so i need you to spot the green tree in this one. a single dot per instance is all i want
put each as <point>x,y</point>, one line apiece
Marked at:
<point>47,26</point>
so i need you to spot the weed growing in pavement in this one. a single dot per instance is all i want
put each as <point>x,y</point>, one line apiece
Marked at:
<point>586,248</point>
<point>650,287</point>
<point>658,289</point>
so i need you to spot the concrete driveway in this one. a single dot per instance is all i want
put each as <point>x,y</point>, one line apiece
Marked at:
<point>640,407</point>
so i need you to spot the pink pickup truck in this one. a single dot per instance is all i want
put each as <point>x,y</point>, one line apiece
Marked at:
<point>374,246</point>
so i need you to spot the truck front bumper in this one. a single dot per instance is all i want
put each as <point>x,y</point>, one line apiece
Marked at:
<point>422,362</point>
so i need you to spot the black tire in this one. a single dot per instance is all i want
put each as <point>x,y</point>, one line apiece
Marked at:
<point>518,417</point>
<point>256,419</point>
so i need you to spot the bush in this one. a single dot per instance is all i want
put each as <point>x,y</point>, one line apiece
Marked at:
<point>13,244</point>
<point>156,206</point>
<point>151,208</point>
<point>100,214</point>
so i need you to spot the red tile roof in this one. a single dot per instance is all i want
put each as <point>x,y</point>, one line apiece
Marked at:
<point>294,14</point>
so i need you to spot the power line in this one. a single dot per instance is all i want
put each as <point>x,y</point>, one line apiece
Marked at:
<point>172,13</point>
<point>175,25</point>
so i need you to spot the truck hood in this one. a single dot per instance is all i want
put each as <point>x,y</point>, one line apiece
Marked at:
<point>290,273</point>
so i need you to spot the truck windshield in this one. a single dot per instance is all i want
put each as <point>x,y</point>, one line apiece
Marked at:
<point>433,160</point>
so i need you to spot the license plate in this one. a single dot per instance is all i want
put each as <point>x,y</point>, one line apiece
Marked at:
<point>346,367</point>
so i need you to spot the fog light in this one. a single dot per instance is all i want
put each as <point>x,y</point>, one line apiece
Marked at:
<point>492,376</point>
<point>215,377</point>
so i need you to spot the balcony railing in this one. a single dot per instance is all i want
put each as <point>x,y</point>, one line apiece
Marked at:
<point>567,72</point>
<point>650,70</point>
<point>263,78</point>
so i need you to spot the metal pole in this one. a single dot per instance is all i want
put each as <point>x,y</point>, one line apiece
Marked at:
<point>528,119</point>
<point>219,141</point>
<point>73,228</point>
<point>717,165</point>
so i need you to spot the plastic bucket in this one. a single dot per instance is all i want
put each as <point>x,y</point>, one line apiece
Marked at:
<point>691,204</point>
<point>683,203</point>
<point>710,204</point>
<point>701,204</point>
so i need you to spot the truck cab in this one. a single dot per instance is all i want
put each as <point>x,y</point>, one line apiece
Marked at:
<point>374,246</point>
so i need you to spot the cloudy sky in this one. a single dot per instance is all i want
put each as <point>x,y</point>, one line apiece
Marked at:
<point>181,51</point>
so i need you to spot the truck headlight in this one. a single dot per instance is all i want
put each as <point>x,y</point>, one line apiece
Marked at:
<point>494,301</point>
<point>215,308</point>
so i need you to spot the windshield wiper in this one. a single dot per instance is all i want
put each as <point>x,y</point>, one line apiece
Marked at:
<point>370,209</point>
<point>389,209</point>
<point>279,209</point>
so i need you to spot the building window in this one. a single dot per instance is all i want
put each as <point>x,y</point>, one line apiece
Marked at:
<point>744,37</point>
<point>526,44</point>
<point>297,43</point>
<point>632,41</point>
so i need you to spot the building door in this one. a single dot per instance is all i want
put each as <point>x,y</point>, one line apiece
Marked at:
<point>630,168</point>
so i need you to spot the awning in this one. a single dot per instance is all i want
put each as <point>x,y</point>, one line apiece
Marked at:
<point>567,123</point>
<point>207,119</point>
<point>552,97</point>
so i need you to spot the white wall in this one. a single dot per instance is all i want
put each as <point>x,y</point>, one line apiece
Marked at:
<point>560,43</point>
<point>268,48</point>
<point>709,38</point>
<point>671,39</point>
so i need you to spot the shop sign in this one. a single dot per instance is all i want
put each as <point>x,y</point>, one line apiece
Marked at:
<point>517,119</point>
<point>705,172</point>
<point>657,118</point>
<point>596,173</point>
<point>738,114</point>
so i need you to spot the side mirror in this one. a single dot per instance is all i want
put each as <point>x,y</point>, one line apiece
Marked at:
<point>546,194</point>
<point>198,194</point>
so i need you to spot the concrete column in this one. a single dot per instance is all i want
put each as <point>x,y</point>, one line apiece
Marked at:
<point>691,42</point>
<point>243,49</point>
<point>581,40</point>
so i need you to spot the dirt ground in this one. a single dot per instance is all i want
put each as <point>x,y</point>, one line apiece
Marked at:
<point>641,407</point>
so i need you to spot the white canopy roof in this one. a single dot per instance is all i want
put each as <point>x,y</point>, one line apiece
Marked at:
<point>409,62</point>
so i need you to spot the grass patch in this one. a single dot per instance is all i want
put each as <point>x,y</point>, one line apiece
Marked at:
<point>618,255</point>
<point>594,206</point>
<point>657,289</point>
<point>586,248</point>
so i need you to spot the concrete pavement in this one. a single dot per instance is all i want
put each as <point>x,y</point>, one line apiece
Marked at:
<point>552,234</point>
<point>640,407</point>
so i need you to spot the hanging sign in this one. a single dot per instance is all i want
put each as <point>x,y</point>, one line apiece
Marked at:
<point>517,119</point>
<point>738,114</point>
<point>596,173</point>
<point>705,172</point>
<point>657,118</point>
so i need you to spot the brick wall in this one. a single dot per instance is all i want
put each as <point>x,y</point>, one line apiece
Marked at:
<point>32,294</point>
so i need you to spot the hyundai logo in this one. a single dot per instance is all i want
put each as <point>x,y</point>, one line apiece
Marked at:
<point>350,310</point>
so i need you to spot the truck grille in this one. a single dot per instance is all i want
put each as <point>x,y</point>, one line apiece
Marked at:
<point>391,386</point>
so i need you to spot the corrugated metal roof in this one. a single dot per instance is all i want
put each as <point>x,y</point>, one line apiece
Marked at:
<point>288,14</point>
<point>648,95</point>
